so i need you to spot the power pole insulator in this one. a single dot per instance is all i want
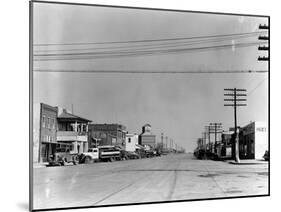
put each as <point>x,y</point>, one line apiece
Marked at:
<point>263,58</point>
<point>263,48</point>
<point>263,37</point>
<point>263,26</point>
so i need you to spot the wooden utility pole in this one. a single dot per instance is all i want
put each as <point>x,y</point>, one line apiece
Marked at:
<point>215,128</point>
<point>234,95</point>
<point>162,136</point>
<point>207,131</point>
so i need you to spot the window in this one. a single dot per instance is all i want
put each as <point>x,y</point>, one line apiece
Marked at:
<point>48,122</point>
<point>129,140</point>
<point>43,121</point>
<point>52,125</point>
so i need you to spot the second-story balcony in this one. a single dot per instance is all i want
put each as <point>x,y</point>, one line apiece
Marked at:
<point>71,136</point>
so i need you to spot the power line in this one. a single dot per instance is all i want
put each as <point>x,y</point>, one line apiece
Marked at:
<point>112,54</point>
<point>138,51</point>
<point>259,84</point>
<point>147,40</point>
<point>158,45</point>
<point>148,71</point>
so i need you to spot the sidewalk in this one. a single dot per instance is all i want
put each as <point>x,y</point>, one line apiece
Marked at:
<point>39,165</point>
<point>248,162</point>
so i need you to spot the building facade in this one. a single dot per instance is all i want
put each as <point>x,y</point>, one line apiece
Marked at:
<point>57,130</point>
<point>227,140</point>
<point>44,132</point>
<point>131,142</point>
<point>107,134</point>
<point>253,141</point>
<point>72,132</point>
<point>146,138</point>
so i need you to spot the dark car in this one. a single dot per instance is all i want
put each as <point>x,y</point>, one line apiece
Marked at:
<point>266,156</point>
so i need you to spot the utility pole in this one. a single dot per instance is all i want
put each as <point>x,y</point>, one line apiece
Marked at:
<point>203,140</point>
<point>264,48</point>
<point>215,128</point>
<point>234,95</point>
<point>207,130</point>
<point>162,136</point>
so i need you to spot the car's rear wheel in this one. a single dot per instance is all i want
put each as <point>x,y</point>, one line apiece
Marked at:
<point>88,159</point>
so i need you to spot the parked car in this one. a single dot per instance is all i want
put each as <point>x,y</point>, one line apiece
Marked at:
<point>133,155</point>
<point>63,158</point>
<point>266,155</point>
<point>199,153</point>
<point>141,153</point>
<point>150,153</point>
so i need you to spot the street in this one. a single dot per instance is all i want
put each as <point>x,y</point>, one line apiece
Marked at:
<point>165,178</point>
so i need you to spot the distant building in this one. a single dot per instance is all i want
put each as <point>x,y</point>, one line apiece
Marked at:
<point>107,134</point>
<point>146,138</point>
<point>131,142</point>
<point>227,141</point>
<point>44,132</point>
<point>253,140</point>
<point>72,134</point>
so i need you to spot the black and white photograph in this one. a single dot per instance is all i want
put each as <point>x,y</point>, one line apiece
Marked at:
<point>133,105</point>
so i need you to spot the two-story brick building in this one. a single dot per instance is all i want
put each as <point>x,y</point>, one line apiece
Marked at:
<point>72,133</point>
<point>107,134</point>
<point>56,129</point>
<point>44,132</point>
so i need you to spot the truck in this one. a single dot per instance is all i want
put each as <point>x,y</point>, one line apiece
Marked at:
<point>109,153</point>
<point>88,157</point>
<point>101,153</point>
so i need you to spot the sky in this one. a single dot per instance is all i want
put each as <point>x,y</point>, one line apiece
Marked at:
<point>179,105</point>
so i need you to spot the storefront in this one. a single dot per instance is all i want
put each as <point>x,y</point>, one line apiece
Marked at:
<point>253,141</point>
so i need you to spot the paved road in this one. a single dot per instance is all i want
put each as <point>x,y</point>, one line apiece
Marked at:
<point>165,178</point>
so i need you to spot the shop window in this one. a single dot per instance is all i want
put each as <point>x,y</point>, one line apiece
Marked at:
<point>252,147</point>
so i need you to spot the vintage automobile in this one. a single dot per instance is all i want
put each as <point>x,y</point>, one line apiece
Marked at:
<point>101,153</point>
<point>63,158</point>
<point>89,157</point>
<point>266,155</point>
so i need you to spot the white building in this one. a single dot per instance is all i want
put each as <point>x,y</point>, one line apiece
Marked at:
<point>253,141</point>
<point>131,142</point>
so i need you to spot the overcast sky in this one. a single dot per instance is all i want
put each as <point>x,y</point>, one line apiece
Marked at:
<point>179,105</point>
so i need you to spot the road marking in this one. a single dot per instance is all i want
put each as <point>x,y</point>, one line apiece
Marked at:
<point>173,186</point>
<point>112,194</point>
